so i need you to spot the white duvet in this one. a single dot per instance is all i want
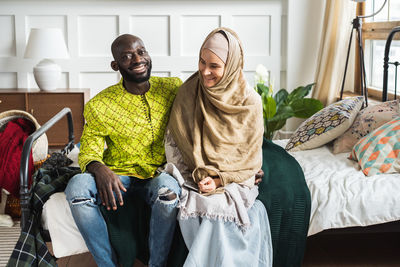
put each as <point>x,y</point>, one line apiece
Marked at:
<point>341,195</point>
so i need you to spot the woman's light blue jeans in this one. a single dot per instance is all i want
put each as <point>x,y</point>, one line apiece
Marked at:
<point>161,193</point>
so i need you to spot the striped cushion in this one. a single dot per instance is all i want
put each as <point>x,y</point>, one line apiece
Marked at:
<point>378,152</point>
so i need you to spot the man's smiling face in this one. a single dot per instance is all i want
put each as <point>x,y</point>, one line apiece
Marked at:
<point>133,60</point>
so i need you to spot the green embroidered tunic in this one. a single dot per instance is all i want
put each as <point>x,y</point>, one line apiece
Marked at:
<point>131,126</point>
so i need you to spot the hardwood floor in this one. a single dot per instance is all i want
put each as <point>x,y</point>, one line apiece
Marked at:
<point>363,250</point>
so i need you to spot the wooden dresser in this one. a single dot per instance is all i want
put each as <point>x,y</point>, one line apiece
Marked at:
<point>45,104</point>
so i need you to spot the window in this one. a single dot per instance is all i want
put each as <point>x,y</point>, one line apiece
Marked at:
<point>375,31</point>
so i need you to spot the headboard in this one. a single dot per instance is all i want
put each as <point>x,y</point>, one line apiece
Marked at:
<point>386,65</point>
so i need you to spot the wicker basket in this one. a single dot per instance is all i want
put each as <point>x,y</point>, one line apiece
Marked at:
<point>13,205</point>
<point>40,145</point>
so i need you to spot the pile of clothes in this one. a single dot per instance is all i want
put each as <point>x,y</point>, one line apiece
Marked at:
<point>12,139</point>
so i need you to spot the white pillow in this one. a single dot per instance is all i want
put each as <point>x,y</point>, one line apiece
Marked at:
<point>65,236</point>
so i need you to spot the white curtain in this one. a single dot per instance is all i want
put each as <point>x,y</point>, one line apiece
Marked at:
<point>333,49</point>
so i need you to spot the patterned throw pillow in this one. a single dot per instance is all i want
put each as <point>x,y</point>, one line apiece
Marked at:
<point>368,119</point>
<point>326,124</point>
<point>378,152</point>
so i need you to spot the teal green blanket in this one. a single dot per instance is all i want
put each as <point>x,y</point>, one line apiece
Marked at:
<point>283,191</point>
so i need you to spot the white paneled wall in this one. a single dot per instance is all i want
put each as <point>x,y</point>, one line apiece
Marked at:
<point>172,31</point>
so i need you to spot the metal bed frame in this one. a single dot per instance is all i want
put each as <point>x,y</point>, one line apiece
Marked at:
<point>24,187</point>
<point>386,66</point>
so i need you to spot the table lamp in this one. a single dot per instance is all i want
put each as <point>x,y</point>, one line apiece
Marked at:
<point>46,44</point>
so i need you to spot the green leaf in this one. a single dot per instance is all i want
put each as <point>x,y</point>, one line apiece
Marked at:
<point>276,125</point>
<point>285,109</point>
<point>262,88</point>
<point>300,92</point>
<point>280,97</point>
<point>306,107</point>
<point>269,106</point>
<point>273,126</point>
<point>282,116</point>
<point>283,113</point>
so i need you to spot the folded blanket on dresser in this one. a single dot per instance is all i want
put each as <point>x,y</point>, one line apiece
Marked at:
<point>283,192</point>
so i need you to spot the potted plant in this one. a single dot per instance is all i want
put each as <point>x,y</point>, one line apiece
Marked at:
<point>283,105</point>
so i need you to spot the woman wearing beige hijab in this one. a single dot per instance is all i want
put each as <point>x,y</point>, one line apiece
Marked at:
<point>214,148</point>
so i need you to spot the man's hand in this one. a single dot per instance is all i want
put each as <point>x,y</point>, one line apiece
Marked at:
<point>209,184</point>
<point>259,176</point>
<point>107,183</point>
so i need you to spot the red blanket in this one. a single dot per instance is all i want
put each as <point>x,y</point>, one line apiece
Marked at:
<point>11,142</point>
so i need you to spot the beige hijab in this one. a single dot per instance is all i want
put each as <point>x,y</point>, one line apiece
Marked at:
<point>219,130</point>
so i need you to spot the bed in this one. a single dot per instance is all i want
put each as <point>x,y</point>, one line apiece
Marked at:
<point>342,197</point>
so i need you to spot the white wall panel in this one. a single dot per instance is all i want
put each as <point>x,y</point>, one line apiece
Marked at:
<point>147,27</point>
<point>97,81</point>
<point>96,33</point>
<point>64,80</point>
<point>31,81</point>
<point>254,32</point>
<point>161,74</point>
<point>7,33</point>
<point>249,75</point>
<point>194,29</point>
<point>185,74</point>
<point>46,21</point>
<point>172,31</point>
<point>8,79</point>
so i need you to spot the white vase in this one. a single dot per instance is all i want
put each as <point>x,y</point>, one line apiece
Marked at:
<point>47,75</point>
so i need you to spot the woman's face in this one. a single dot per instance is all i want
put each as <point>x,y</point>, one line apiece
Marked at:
<point>211,68</point>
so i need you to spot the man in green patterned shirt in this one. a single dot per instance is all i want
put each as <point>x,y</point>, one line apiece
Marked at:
<point>130,118</point>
